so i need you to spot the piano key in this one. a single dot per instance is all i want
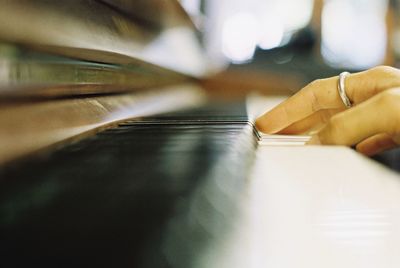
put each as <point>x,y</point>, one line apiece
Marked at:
<point>283,140</point>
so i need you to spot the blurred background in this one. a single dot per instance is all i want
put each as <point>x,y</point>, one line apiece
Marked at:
<point>300,39</point>
<point>265,45</point>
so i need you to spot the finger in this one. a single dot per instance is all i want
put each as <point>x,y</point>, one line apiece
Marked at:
<point>322,94</point>
<point>380,114</point>
<point>310,123</point>
<point>376,144</point>
<point>364,85</point>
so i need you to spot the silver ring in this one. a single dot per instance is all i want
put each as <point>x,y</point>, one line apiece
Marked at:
<point>342,89</point>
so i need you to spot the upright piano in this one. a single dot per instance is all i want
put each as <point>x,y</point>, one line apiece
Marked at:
<point>114,154</point>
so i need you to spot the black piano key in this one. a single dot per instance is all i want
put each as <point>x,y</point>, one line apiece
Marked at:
<point>147,193</point>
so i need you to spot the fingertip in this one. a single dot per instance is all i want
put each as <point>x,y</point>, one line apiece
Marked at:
<point>272,121</point>
<point>367,151</point>
<point>261,125</point>
<point>375,145</point>
<point>315,140</point>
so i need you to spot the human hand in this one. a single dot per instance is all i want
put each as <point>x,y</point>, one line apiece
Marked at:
<point>372,124</point>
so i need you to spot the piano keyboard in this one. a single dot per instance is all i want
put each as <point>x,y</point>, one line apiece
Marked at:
<point>157,192</point>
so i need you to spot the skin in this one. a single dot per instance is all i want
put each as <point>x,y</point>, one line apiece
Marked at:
<point>372,124</point>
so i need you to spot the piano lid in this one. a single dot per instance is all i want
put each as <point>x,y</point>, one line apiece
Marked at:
<point>113,31</point>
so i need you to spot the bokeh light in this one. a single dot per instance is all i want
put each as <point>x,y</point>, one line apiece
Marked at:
<point>354,34</point>
<point>240,37</point>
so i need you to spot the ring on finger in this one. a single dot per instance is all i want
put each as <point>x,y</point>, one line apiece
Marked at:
<point>342,89</point>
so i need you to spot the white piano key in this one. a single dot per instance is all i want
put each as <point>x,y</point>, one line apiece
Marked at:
<point>282,140</point>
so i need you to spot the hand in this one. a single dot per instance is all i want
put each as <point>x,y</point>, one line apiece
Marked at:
<point>373,123</point>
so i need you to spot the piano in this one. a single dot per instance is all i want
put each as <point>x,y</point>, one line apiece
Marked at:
<point>114,152</point>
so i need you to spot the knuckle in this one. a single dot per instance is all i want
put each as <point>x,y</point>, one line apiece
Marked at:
<point>315,102</point>
<point>324,117</point>
<point>390,100</point>
<point>311,93</point>
<point>333,130</point>
<point>389,104</point>
<point>391,74</point>
<point>315,93</point>
<point>315,84</point>
<point>383,69</point>
<point>319,83</point>
<point>335,120</point>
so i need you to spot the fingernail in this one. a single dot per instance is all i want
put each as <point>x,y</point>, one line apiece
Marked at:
<point>314,140</point>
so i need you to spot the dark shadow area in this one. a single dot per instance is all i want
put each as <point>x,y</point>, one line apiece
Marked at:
<point>390,159</point>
